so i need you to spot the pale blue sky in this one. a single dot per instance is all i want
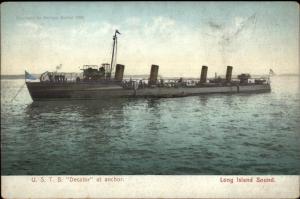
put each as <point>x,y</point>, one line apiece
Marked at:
<point>179,36</point>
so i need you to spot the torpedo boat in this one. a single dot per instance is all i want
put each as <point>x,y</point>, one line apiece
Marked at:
<point>107,81</point>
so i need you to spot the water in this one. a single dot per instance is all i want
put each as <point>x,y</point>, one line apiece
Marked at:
<point>209,134</point>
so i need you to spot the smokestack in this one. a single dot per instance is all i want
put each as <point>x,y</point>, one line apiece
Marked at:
<point>203,74</point>
<point>153,74</point>
<point>119,72</point>
<point>228,73</point>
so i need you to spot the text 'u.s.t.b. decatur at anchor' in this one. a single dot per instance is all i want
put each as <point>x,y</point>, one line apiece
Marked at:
<point>73,179</point>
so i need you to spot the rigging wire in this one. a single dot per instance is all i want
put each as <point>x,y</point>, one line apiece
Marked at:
<point>20,89</point>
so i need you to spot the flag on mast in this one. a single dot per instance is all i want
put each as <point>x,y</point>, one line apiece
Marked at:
<point>29,77</point>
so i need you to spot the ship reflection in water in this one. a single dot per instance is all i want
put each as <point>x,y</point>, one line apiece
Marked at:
<point>208,134</point>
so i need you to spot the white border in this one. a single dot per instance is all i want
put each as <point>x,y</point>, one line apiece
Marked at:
<point>149,186</point>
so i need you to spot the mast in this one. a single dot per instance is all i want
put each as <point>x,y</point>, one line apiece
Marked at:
<point>113,52</point>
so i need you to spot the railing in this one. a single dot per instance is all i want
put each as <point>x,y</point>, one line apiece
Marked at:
<point>180,82</point>
<point>144,83</point>
<point>55,77</point>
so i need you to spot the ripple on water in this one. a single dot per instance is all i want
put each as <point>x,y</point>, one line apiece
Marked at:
<point>213,134</point>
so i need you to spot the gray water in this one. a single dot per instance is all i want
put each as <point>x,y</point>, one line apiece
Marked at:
<point>208,134</point>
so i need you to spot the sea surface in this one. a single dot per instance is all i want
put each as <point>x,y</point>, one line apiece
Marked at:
<point>202,135</point>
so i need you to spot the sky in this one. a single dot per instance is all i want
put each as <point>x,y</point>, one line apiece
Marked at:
<point>180,37</point>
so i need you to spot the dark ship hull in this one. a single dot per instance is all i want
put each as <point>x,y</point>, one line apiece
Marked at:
<point>78,91</point>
